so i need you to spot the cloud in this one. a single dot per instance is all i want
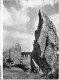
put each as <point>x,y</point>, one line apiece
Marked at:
<point>25,40</point>
<point>31,3</point>
<point>20,17</point>
<point>36,3</point>
<point>55,19</point>
<point>14,17</point>
<point>49,2</point>
<point>7,17</point>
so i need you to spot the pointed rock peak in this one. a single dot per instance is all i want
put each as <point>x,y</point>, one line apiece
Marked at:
<point>43,16</point>
<point>40,21</point>
<point>40,15</point>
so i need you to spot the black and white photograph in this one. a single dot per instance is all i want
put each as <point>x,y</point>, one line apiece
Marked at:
<point>30,39</point>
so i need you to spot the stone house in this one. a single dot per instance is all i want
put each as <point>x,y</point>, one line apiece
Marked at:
<point>25,55</point>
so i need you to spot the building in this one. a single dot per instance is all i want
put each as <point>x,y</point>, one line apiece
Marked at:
<point>25,55</point>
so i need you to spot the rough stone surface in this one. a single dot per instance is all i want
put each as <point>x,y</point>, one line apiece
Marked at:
<point>14,53</point>
<point>45,45</point>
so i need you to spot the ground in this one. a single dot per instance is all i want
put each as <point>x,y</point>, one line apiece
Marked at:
<point>17,73</point>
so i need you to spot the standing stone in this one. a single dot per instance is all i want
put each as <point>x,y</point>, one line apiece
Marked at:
<point>45,44</point>
<point>14,53</point>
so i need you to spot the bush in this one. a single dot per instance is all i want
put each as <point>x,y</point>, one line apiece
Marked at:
<point>6,65</point>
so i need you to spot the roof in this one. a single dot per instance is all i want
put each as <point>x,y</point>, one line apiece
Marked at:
<point>26,53</point>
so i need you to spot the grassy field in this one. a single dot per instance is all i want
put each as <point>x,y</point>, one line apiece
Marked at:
<point>17,73</point>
